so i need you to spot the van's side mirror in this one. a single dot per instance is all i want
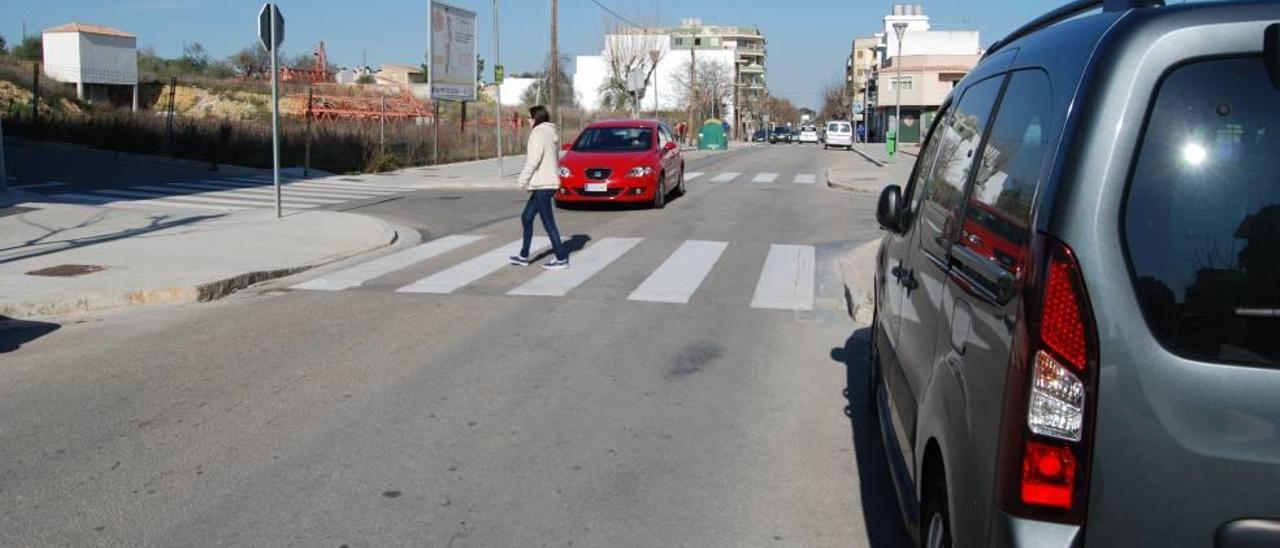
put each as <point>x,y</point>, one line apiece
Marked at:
<point>889,210</point>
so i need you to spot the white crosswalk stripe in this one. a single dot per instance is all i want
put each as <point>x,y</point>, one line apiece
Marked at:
<point>681,274</point>
<point>692,175</point>
<point>247,195</point>
<point>584,265</point>
<point>151,198</point>
<point>361,273</point>
<point>725,177</point>
<point>449,280</point>
<point>787,280</point>
<point>765,178</point>
<point>48,184</point>
<point>288,190</point>
<point>233,194</point>
<point>806,179</point>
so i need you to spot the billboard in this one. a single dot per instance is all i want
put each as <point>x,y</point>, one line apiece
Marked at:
<point>453,53</point>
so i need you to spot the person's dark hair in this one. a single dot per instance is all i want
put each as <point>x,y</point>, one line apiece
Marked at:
<point>540,115</point>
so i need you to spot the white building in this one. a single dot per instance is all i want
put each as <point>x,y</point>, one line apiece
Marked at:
<point>513,90</point>
<point>93,57</point>
<point>675,47</point>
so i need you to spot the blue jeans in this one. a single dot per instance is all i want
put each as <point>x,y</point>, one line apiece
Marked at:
<point>540,205</point>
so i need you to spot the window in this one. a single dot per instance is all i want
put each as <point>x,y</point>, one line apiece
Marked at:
<point>938,203</point>
<point>614,139</point>
<point>679,41</point>
<point>997,218</point>
<point>697,41</point>
<point>906,83</point>
<point>1202,221</point>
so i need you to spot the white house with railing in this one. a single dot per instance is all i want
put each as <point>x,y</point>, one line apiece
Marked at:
<point>93,57</point>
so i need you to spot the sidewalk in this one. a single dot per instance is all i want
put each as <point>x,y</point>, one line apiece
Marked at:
<point>479,174</point>
<point>60,258</point>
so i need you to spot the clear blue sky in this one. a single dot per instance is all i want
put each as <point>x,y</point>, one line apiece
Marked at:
<point>808,39</point>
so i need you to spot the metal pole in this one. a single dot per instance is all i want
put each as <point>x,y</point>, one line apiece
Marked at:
<point>306,161</point>
<point>693,85</point>
<point>900,28</point>
<point>435,132</point>
<point>555,63</point>
<point>35,96</point>
<point>382,130</point>
<point>737,108</point>
<point>497,104</point>
<point>275,112</point>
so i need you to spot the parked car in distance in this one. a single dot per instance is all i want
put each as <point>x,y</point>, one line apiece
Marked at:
<point>780,134</point>
<point>622,161</point>
<point>760,135</point>
<point>1077,300</point>
<point>808,134</point>
<point>838,134</point>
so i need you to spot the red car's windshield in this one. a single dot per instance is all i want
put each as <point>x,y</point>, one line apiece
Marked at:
<point>614,139</point>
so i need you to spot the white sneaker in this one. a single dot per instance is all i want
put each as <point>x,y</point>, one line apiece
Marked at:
<point>519,260</point>
<point>555,264</point>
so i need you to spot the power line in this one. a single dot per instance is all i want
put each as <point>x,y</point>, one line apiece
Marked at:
<point>616,14</point>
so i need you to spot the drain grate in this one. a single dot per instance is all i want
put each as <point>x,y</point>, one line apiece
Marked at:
<point>449,198</point>
<point>351,179</point>
<point>15,210</point>
<point>67,270</point>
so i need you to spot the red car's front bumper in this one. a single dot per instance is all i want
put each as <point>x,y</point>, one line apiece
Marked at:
<point>628,189</point>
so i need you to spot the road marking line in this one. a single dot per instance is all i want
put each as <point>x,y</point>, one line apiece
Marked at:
<point>765,178</point>
<point>154,197</point>
<point>806,179</point>
<point>289,192</point>
<point>583,265</point>
<point>363,187</point>
<point>449,280</point>
<point>38,185</point>
<point>692,175</point>
<point>725,177</point>
<point>103,200</point>
<point>372,191</point>
<point>361,273</point>
<point>681,274</point>
<point>249,196</point>
<point>787,280</point>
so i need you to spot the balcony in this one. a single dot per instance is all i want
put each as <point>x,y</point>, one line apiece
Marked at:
<point>752,69</point>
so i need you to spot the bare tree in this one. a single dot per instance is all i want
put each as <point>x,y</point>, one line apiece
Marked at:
<point>627,52</point>
<point>835,101</point>
<point>714,88</point>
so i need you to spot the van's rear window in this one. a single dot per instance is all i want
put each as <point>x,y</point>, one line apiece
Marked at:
<point>1202,220</point>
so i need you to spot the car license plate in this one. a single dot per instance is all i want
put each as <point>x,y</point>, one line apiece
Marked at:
<point>597,187</point>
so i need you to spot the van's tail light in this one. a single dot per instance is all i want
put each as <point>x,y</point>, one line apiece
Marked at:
<point>1046,436</point>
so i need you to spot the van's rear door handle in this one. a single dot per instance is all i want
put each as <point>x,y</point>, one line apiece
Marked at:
<point>998,280</point>
<point>1248,533</point>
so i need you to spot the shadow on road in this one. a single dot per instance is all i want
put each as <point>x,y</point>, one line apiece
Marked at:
<point>155,223</point>
<point>879,502</point>
<point>15,333</point>
<point>572,245</point>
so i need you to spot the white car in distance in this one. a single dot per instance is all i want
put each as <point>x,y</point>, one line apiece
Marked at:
<point>839,134</point>
<point>808,134</point>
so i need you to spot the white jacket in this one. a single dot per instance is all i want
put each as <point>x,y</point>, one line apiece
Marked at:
<point>542,160</point>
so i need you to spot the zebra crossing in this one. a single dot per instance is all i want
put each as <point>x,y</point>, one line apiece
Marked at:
<point>232,194</point>
<point>786,279</point>
<point>757,178</point>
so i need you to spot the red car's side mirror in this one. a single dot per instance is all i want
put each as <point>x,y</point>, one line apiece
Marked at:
<point>670,146</point>
<point>565,147</point>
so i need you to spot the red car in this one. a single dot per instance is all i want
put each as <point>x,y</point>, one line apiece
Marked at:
<point>635,161</point>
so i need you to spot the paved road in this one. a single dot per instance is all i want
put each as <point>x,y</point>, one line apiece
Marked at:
<point>471,413</point>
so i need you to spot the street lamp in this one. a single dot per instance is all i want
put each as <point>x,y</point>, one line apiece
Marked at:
<point>737,106</point>
<point>655,55</point>
<point>899,29</point>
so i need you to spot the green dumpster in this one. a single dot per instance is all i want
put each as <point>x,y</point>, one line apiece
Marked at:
<point>711,136</point>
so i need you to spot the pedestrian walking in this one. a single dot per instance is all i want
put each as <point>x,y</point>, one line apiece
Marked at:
<point>541,178</point>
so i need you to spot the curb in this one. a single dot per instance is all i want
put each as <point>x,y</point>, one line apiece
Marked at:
<point>857,270</point>
<point>832,183</point>
<point>868,158</point>
<point>202,292</point>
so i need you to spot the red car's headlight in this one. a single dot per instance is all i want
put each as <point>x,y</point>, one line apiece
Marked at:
<point>640,172</point>
<point>565,172</point>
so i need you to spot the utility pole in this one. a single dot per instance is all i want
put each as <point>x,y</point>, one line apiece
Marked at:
<point>693,82</point>
<point>554,77</point>
<point>900,29</point>
<point>497,105</point>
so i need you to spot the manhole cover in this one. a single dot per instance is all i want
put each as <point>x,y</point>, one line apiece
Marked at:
<point>351,179</point>
<point>67,270</point>
<point>449,198</point>
<point>15,210</point>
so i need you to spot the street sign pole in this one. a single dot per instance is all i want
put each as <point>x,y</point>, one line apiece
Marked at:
<point>497,104</point>
<point>275,107</point>
<point>4,174</point>
<point>271,33</point>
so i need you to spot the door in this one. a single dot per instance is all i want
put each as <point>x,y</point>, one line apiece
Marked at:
<point>670,159</point>
<point>934,217</point>
<point>890,288</point>
<point>982,296</point>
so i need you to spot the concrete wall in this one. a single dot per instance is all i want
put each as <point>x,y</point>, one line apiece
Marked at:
<point>62,56</point>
